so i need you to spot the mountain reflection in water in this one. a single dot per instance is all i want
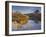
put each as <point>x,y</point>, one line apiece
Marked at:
<point>31,25</point>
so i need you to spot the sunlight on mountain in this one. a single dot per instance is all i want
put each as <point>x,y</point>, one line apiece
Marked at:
<point>19,19</point>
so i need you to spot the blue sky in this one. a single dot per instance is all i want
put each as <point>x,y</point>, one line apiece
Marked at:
<point>25,9</point>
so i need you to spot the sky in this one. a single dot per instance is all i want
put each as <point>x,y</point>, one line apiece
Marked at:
<point>25,9</point>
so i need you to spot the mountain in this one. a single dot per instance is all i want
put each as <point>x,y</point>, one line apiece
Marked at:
<point>34,16</point>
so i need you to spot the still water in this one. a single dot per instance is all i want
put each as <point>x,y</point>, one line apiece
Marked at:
<point>31,25</point>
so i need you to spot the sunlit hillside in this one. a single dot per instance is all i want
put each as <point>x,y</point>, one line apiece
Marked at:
<point>19,19</point>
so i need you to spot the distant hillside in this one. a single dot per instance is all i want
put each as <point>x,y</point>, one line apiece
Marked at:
<point>34,16</point>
